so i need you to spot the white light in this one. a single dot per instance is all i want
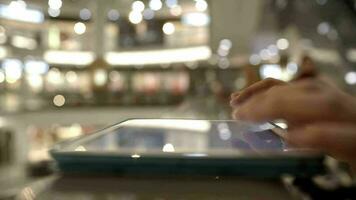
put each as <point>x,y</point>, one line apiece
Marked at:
<point>135,156</point>
<point>350,78</point>
<point>179,124</point>
<point>138,6</point>
<point>171,3</point>
<point>16,11</point>
<point>168,28</point>
<point>159,56</point>
<point>2,77</point>
<point>225,44</point>
<point>36,67</point>
<point>282,44</point>
<point>100,77</point>
<point>264,54</point>
<point>168,148</point>
<point>224,131</point>
<point>113,15</point>
<point>135,17</point>
<point>80,58</point>
<point>59,100</point>
<point>272,50</point>
<point>79,28</point>
<point>54,12</point>
<point>271,71</point>
<point>255,59</point>
<point>201,5</point>
<point>85,14</point>
<point>35,82</point>
<point>3,52</point>
<point>23,42</point>
<point>71,77</point>
<point>292,67</point>
<point>13,70</point>
<point>80,148</point>
<point>155,4</point>
<point>54,76</point>
<point>195,19</point>
<point>148,14</point>
<point>55,4</point>
<point>323,28</point>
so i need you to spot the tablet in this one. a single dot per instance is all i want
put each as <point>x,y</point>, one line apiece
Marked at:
<point>186,147</point>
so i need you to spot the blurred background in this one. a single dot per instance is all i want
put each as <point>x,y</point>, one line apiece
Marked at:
<point>70,67</point>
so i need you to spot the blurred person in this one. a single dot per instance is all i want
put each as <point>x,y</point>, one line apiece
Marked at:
<point>319,115</point>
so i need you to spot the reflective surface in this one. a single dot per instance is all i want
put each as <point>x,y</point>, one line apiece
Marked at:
<point>190,137</point>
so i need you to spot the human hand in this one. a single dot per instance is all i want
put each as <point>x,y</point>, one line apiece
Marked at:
<point>325,116</point>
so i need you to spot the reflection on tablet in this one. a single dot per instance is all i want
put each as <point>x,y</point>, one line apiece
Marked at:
<point>185,136</point>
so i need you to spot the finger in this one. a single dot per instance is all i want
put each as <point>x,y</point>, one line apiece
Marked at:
<point>255,88</point>
<point>336,139</point>
<point>283,102</point>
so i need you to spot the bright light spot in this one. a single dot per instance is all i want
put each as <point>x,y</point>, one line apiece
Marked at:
<point>35,81</point>
<point>71,77</point>
<point>135,156</point>
<point>85,14</point>
<point>54,76</point>
<point>100,77</point>
<point>255,59</point>
<point>79,28</point>
<point>201,5</point>
<point>176,10</point>
<point>159,56</point>
<point>271,71</point>
<point>323,28</point>
<point>282,44</point>
<point>148,14</point>
<point>135,17</point>
<point>272,50</point>
<point>113,15</point>
<point>79,58</point>
<point>18,5</point>
<point>171,3</point>
<point>292,67</point>
<point>168,28</point>
<point>223,63</point>
<point>224,131</point>
<point>264,54</point>
<point>3,52</point>
<point>2,77</point>
<point>36,67</point>
<point>282,125</point>
<point>23,42</point>
<point>55,4</point>
<point>59,100</point>
<point>195,19</point>
<point>350,78</point>
<point>155,4</point>
<point>54,12</point>
<point>225,44</point>
<point>138,6</point>
<point>80,148</point>
<point>17,11</point>
<point>3,37</point>
<point>13,70</point>
<point>168,148</point>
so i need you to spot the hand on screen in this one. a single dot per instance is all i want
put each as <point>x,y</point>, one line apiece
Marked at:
<point>319,115</point>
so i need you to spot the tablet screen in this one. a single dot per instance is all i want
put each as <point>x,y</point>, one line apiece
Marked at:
<point>184,136</point>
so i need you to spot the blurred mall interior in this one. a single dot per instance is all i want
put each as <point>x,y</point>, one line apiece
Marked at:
<point>70,67</point>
